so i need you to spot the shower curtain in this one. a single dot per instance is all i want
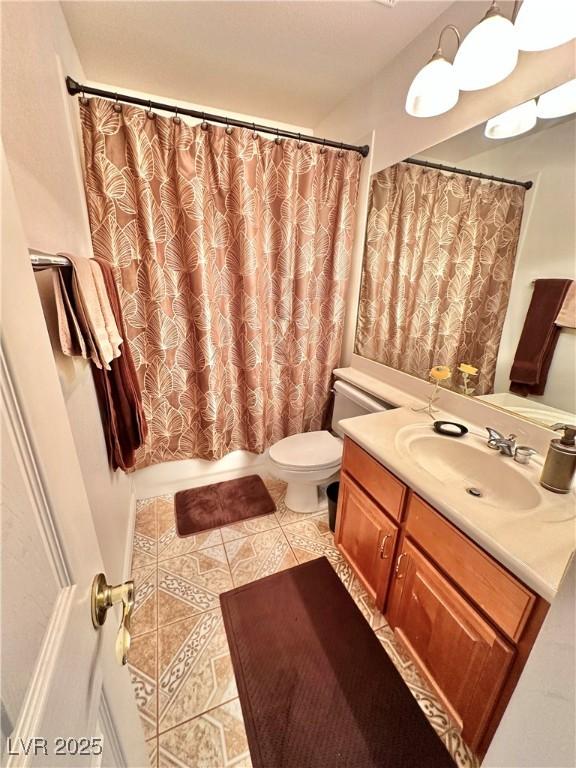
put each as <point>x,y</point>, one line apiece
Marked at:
<point>231,253</point>
<point>438,264</point>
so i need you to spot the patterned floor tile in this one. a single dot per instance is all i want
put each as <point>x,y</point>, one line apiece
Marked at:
<point>144,548</point>
<point>142,663</point>
<point>191,583</point>
<point>194,668</point>
<point>249,527</point>
<point>312,538</point>
<point>260,555</point>
<point>152,745</point>
<point>144,616</point>
<point>216,739</point>
<point>169,543</point>
<point>461,754</point>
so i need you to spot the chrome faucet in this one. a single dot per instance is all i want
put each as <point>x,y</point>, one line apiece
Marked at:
<point>506,445</point>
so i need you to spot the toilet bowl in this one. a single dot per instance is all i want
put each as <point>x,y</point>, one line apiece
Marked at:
<point>306,462</point>
<point>311,460</point>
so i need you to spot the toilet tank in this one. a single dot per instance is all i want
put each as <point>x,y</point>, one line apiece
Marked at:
<point>351,401</point>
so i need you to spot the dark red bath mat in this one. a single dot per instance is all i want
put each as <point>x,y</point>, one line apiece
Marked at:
<point>212,506</point>
<point>316,687</point>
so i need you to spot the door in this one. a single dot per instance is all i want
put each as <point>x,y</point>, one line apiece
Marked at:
<point>65,700</point>
<point>464,657</point>
<point>367,538</point>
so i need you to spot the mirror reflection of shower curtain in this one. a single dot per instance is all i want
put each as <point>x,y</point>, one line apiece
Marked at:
<point>438,264</point>
<point>231,253</point>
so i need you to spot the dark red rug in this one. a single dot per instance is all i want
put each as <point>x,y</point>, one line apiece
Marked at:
<point>212,506</point>
<point>316,687</point>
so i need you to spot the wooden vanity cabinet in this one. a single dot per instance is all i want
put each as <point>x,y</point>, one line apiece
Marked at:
<point>466,621</point>
<point>464,658</point>
<point>367,538</point>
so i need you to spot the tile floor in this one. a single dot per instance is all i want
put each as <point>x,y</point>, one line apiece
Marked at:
<point>180,664</point>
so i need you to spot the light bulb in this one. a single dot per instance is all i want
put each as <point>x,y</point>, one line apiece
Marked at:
<point>433,90</point>
<point>513,122</point>
<point>487,54</point>
<point>559,101</point>
<point>542,25</point>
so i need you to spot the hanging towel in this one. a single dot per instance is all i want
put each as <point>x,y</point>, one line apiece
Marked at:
<point>567,315</point>
<point>119,392</point>
<point>539,338</point>
<point>72,341</point>
<point>107,313</point>
<point>89,311</point>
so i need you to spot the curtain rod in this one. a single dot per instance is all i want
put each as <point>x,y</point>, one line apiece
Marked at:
<point>475,174</point>
<point>75,88</point>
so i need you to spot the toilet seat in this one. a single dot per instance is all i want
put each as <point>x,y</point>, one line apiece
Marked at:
<point>307,452</point>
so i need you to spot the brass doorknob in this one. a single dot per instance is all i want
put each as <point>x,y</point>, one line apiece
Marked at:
<point>104,596</point>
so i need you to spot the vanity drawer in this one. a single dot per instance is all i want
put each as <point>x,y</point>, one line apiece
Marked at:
<point>380,484</point>
<point>505,600</point>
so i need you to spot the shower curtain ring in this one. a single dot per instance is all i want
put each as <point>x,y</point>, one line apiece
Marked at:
<point>323,146</point>
<point>149,113</point>
<point>229,128</point>
<point>204,124</point>
<point>278,140</point>
<point>341,151</point>
<point>117,107</point>
<point>83,99</point>
<point>254,131</point>
<point>299,145</point>
<point>176,119</point>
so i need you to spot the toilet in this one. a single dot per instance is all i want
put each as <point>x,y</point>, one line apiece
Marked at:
<point>310,461</point>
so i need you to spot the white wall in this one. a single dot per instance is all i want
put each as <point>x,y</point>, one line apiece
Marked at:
<point>39,134</point>
<point>547,245</point>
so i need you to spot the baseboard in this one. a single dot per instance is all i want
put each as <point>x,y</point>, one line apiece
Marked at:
<point>174,476</point>
<point>127,564</point>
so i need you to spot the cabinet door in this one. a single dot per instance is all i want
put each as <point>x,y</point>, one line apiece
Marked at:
<point>458,651</point>
<point>366,537</point>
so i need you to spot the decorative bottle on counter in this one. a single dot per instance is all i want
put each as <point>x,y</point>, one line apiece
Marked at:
<point>560,464</point>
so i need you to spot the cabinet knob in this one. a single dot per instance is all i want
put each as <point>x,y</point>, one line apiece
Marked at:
<point>397,569</point>
<point>384,556</point>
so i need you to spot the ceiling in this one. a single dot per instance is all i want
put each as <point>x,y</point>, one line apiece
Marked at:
<point>286,61</point>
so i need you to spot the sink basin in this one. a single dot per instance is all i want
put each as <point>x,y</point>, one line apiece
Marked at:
<point>468,465</point>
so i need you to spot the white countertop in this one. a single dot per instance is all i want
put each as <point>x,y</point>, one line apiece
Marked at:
<point>535,544</point>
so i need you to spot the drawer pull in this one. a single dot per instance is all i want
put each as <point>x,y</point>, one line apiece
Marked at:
<point>397,569</point>
<point>383,547</point>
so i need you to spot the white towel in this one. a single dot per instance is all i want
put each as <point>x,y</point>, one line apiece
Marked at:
<point>567,315</point>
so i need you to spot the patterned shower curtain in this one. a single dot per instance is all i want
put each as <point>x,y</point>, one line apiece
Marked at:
<point>438,264</point>
<point>231,253</point>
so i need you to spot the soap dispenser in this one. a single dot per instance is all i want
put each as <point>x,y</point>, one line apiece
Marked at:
<point>560,464</point>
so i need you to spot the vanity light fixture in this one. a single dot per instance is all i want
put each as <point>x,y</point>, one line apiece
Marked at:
<point>559,101</point>
<point>488,53</point>
<point>542,25</point>
<point>434,90</point>
<point>513,122</point>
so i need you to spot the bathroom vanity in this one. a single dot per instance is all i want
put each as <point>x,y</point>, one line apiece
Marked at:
<point>465,603</point>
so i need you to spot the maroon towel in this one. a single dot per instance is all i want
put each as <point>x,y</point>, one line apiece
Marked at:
<point>539,338</point>
<point>119,393</point>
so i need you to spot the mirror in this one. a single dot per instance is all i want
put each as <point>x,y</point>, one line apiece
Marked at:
<point>476,274</point>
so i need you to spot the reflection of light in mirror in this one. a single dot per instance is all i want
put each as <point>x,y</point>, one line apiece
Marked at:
<point>487,54</point>
<point>433,90</point>
<point>513,122</point>
<point>559,101</point>
<point>542,25</point>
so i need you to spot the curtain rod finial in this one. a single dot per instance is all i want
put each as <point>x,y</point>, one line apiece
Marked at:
<point>72,86</point>
<point>365,150</point>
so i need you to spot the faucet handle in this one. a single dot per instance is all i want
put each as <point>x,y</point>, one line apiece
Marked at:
<point>524,453</point>
<point>493,436</point>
